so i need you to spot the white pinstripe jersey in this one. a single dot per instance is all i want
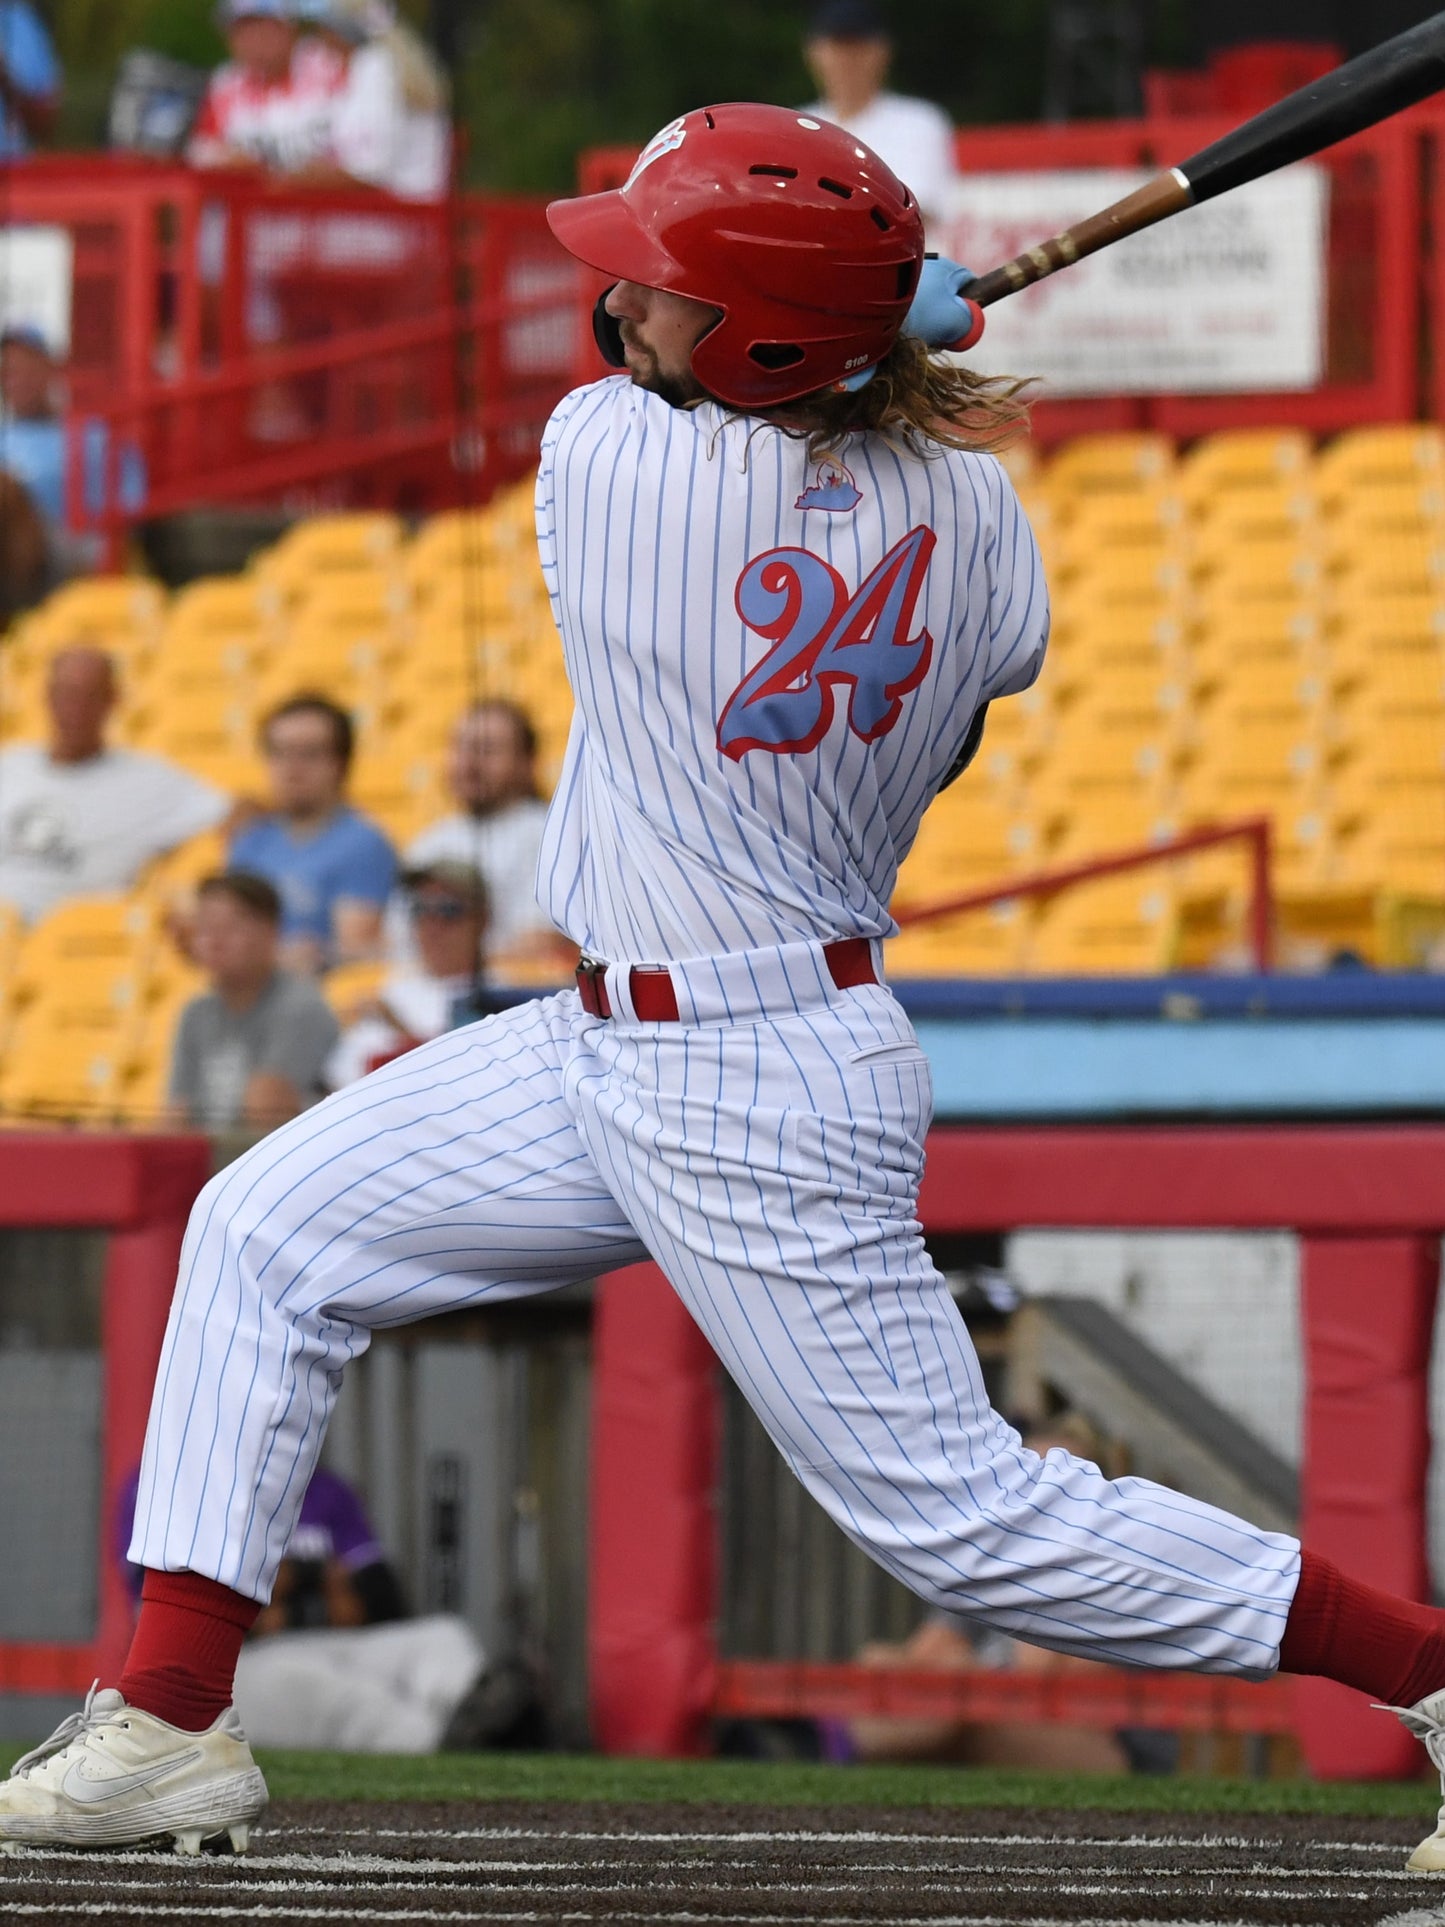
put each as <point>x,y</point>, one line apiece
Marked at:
<point>774,661</point>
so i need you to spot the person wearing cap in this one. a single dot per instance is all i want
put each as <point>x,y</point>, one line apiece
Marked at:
<point>29,80</point>
<point>848,52</point>
<point>447,908</point>
<point>269,106</point>
<point>35,448</point>
<point>388,124</point>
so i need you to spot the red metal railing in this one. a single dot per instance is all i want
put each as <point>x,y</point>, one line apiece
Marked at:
<point>1253,831</point>
<point>1106,1697</point>
<point>319,348</point>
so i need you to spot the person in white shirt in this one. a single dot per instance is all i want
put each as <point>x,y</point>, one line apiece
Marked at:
<point>448,911</point>
<point>848,53</point>
<point>492,773</point>
<point>76,817</point>
<point>389,123</point>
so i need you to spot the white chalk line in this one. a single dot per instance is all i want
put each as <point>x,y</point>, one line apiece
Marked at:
<point>395,1870</point>
<point>102,1908</point>
<point>343,1878</point>
<point>1160,1842</point>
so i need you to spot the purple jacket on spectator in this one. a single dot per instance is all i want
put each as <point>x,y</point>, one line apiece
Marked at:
<point>333,1525</point>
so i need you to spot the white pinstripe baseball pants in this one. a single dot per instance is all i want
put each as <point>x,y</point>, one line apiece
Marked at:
<point>770,1165</point>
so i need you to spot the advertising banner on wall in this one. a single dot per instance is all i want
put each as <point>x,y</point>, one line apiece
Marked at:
<point>1225,298</point>
<point>35,282</point>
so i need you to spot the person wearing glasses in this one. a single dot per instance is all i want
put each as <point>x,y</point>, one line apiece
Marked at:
<point>333,867</point>
<point>447,909</point>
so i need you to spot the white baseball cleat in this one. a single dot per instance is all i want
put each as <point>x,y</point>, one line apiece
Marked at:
<point>1426,1720</point>
<point>113,1776</point>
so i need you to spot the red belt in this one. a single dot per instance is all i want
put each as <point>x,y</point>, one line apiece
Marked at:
<point>654,997</point>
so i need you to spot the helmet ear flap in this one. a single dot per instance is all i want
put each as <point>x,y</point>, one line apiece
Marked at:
<point>607,332</point>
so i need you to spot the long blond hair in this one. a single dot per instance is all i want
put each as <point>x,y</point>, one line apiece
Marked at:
<point>918,399</point>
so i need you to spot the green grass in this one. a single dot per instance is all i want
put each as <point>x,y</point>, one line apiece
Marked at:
<point>563,1777</point>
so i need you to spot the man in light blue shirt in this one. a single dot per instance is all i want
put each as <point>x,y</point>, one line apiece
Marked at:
<point>29,80</point>
<point>333,868</point>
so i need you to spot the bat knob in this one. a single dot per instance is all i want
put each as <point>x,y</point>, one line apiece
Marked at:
<point>974,332</point>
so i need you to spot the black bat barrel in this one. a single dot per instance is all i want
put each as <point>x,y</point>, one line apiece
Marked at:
<point>1366,90</point>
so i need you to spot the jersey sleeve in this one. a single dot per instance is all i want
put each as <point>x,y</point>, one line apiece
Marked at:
<point>1018,606</point>
<point>546,497</point>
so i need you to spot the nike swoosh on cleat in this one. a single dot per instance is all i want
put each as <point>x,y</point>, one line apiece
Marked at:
<point>86,1792</point>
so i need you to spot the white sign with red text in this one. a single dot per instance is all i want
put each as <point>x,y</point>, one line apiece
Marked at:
<point>1224,298</point>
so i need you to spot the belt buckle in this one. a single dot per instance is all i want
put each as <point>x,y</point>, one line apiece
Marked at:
<point>592,986</point>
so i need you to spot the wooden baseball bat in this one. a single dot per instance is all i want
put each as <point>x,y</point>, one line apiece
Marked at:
<point>1360,94</point>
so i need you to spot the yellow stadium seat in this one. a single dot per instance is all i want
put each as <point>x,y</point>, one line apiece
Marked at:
<point>1273,569</point>
<point>195,730</point>
<point>59,1066</point>
<point>364,603</point>
<point>211,617</point>
<point>1110,465</point>
<point>983,943</point>
<point>1365,458</point>
<point>1282,518</point>
<point>1123,633</point>
<point>114,611</point>
<point>965,844</point>
<point>1393,624</point>
<point>106,932</point>
<point>329,545</point>
<point>1118,925</point>
<point>1240,460</point>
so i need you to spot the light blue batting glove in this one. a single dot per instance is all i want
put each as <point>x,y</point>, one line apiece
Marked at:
<point>942,316</point>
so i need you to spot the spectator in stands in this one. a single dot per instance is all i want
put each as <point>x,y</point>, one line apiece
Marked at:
<point>29,80</point>
<point>333,867</point>
<point>77,817</point>
<point>335,1660</point>
<point>249,1051</point>
<point>33,449</point>
<point>492,774</point>
<point>24,550</point>
<point>848,53</point>
<point>446,906</point>
<point>270,105</point>
<point>389,125</point>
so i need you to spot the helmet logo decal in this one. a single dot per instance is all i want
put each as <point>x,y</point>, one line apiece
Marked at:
<point>833,489</point>
<point>822,638</point>
<point>667,141</point>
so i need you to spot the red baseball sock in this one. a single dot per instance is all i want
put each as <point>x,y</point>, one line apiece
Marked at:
<point>182,1660</point>
<point>1390,1648</point>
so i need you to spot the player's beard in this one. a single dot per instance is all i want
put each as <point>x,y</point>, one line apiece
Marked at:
<point>678,391</point>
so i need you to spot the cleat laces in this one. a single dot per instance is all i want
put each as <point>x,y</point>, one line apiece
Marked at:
<point>76,1727</point>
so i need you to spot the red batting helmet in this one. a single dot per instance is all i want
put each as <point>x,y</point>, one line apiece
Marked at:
<point>804,239</point>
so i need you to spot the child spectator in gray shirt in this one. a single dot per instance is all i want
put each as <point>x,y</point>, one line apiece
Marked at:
<point>249,1052</point>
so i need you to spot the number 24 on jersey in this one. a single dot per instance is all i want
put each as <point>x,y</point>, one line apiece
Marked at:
<point>824,639</point>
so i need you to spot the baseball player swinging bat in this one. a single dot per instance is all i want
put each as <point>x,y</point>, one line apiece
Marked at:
<point>1358,95</point>
<point>789,576</point>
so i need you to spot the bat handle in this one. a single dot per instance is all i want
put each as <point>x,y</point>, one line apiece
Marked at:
<point>1160,197</point>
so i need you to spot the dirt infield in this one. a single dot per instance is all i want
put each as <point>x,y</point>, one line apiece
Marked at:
<point>704,1865</point>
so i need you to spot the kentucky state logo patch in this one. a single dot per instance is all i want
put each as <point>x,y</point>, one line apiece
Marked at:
<point>834,490</point>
